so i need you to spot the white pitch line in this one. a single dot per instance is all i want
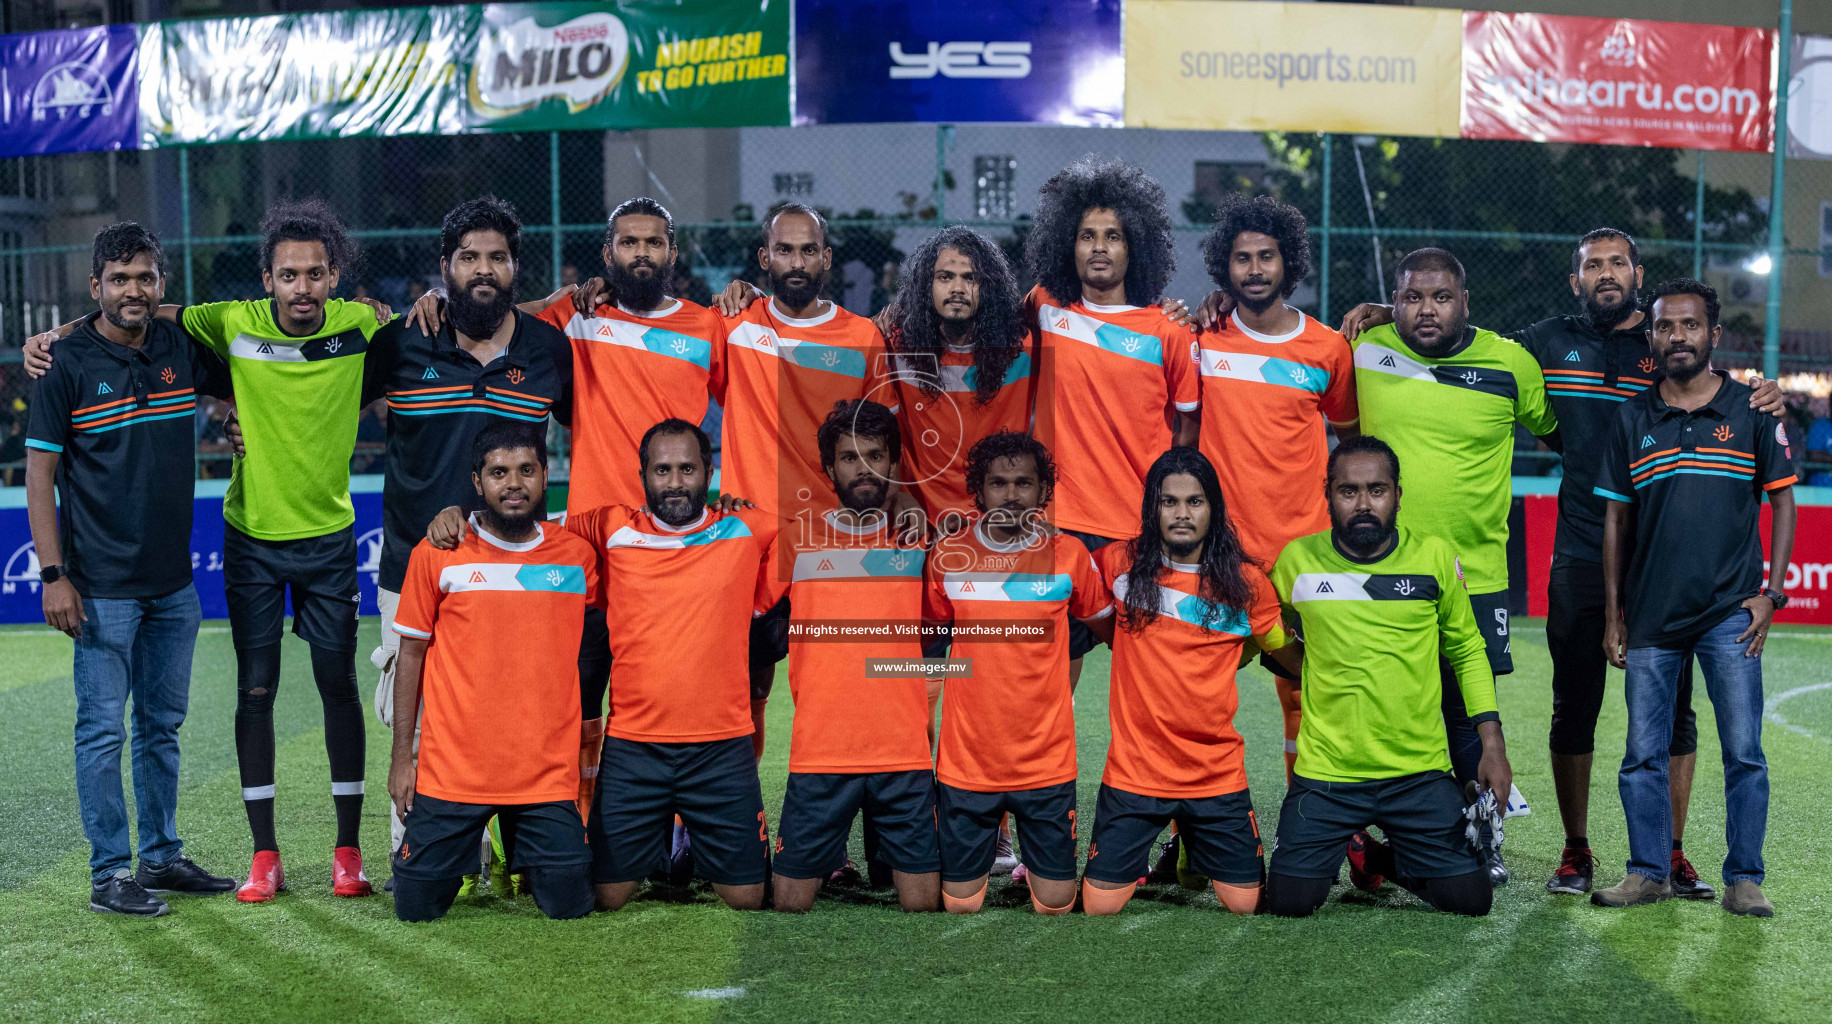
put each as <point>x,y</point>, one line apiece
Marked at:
<point>715,993</point>
<point>55,632</point>
<point>1769,709</point>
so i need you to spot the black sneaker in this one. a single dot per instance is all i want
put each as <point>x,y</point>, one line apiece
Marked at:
<point>1164,872</point>
<point>120,894</point>
<point>1577,869</point>
<point>878,874</point>
<point>181,876</point>
<point>1686,883</point>
<point>1497,871</point>
<point>388,886</point>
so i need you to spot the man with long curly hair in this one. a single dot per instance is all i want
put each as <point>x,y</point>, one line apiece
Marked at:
<point>1114,373</point>
<point>959,362</point>
<point>1190,601</point>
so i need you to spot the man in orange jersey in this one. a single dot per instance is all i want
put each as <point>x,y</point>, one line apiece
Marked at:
<point>1008,585</point>
<point>1114,375</point>
<point>487,634</point>
<point>860,742</point>
<point>1191,602</point>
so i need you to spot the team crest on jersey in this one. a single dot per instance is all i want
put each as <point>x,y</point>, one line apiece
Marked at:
<point>1647,364</point>
<point>168,375</point>
<point>477,577</point>
<point>1781,435</point>
<point>1325,588</point>
<point>1404,588</point>
<point>514,376</point>
<point>1647,440</point>
<point>104,389</point>
<point>265,349</point>
<point>1195,353</point>
<point>1572,356</point>
<point>1387,361</point>
<point>430,374</point>
<point>1723,433</point>
<point>333,345</point>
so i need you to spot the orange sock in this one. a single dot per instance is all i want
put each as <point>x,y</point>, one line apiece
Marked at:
<point>1291,702</point>
<point>1239,899</point>
<point>591,750</point>
<point>1051,911</point>
<point>1098,901</point>
<point>964,904</point>
<point>757,707</point>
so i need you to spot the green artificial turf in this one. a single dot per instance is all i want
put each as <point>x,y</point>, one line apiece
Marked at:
<point>1171,956</point>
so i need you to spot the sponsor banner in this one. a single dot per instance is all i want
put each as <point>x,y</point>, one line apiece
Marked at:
<point>1809,98</point>
<point>1809,574</point>
<point>712,63</point>
<point>21,600</point>
<point>68,92</point>
<point>378,72</point>
<point>1617,81</point>
<point>1251,66</point>
<point>930,60</point>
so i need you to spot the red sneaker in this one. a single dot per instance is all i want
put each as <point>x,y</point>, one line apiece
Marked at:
<point>1364,852</point>
<point>347,878</point>
<point>265,877</point>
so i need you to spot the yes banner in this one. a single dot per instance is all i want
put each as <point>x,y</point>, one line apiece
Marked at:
<point>1041,61</point>
<point>68,92</point>
<point>1623,82</point>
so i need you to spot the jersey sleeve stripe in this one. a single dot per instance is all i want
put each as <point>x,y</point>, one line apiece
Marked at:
<point>1612,495</point>
<point>412,632</point>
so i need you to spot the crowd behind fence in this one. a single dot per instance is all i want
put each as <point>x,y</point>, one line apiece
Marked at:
<point>1510,210</point>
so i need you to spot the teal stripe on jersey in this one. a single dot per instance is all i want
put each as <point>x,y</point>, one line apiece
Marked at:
<point>464,408</point>
<point>1611,495</point>
<point>1689,471</point>
<point>130,421</point>
<point>832,358</point>
<point>1116,339</point>
<point>675,345</point>
<point>554,579</point>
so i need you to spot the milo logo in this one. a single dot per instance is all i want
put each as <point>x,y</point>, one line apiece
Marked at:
<point>522,63</point>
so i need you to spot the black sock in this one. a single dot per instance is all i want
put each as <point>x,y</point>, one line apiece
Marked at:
<point>345,739</point>
<point>1577,842</point>
<point>257,676</point>
<point>1677,847</point>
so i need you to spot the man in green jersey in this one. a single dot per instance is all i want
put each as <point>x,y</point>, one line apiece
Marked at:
<point>296,362</point>
<point>1378,603</point>
<point>1446,396</point>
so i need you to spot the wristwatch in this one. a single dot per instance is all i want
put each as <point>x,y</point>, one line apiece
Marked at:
<point>51,573</point>
<point>1776,596</point>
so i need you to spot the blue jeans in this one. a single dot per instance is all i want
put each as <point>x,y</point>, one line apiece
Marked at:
<point>1735,685</point>
<point>139,647</point>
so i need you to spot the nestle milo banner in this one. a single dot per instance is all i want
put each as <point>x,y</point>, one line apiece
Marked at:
<point>711,63</point>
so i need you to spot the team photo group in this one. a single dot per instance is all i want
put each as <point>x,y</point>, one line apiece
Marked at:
<point>932,515</point>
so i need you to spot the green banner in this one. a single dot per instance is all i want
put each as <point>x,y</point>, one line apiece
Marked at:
<point>448,70</point>
<point>710,63</point>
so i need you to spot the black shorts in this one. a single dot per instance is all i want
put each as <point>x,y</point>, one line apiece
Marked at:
<point>319,571</point>
<point>969,822</point>
<point>817,813</point>
<point>1221,834</point>
<point>1081,638</point>
<point>769,645</point>
<point>1574,638</point>
<point>1422,816</point>
<point>594,664</point>
<point>443,838</point>
<point>712,786</point>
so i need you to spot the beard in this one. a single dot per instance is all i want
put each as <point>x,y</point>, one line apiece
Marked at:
<point>864,494</point>
<point>1450,334</point>
<point>474,317</point>
<point>635,291</point>
<point>509,525</point>
<point>796,296</point>
<point>1181,552</point>
<point>1364,533</point>
<point>114,316</point>
<point>1259,306</point>
<point>676,506</point>
<point>1688,373</point>
<point>1606,317</point>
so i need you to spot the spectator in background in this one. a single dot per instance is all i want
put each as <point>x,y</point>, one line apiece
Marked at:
<point>1817,459</point>
<point>415,289</point>
<point>569,275</point>
<point>688,285</point>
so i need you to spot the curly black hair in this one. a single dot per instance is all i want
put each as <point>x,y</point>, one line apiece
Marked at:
<point>1267,216</point>
<point>120,243</point>
<point>309,220</point>
<point>998,326</point>
<point>485,213</point>
<point>1223,585</point>
<point>860,417</point>
<point>1008,444</point>
<point>1089,184</point>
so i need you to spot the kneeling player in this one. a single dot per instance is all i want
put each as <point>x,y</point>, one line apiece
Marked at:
<point>1191,599</point>
<point>1378,602</point>
<point>490,628</point>
<point>1008,730</point>
<point>859,744</point>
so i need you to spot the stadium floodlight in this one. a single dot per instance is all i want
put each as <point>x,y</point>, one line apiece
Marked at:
<point>1759,264</point>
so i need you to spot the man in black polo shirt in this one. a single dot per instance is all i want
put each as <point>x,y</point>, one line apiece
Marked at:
<point>1593,362</point>
<point>111,433</point>
<point>487,362</point>
<point>1688,467</point>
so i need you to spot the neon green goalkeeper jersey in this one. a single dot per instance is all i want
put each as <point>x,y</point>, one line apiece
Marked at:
<point>1451,421</point>
<point>1372,635</point>
<point>298,400</point>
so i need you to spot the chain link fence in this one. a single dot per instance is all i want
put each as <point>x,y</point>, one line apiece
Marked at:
<point>1510,210</point>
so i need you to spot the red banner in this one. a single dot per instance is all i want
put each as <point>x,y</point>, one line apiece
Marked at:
<point>1809,573</point>
<point>1617,81</point>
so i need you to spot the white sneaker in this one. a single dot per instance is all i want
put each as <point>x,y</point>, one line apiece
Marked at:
<point>1005,859</point>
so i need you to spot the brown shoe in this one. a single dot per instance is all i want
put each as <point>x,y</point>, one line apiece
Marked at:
<point>1633,891</point>
<point>1746,898</point>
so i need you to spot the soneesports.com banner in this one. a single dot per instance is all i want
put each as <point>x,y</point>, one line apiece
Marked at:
<point>1251,66</point>
<point>447,70</point>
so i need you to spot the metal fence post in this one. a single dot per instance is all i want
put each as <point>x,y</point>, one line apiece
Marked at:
<point>184,218</point>
<point>1323,278</point>
<point>1777,209</point>
<point>1698,222</point>
<point>553,199</point>
<point>941,173</point>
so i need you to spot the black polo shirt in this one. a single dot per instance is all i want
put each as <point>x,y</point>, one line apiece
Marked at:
<point>439,397</point>
<point>1696,481</point>
<point>1589,374</point>
<point>123,422</point>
